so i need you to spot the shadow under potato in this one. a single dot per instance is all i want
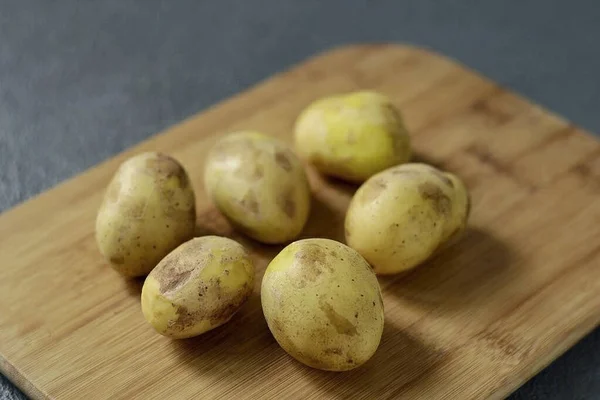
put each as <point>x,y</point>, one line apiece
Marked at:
<point>243,346</point>
<point>324,221</point>
<point>400,351</point>
<point>244,349</point>
<point>134,285</point>
<point>463,275</point>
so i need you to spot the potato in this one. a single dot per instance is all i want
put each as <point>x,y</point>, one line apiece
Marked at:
<point>147,211</point>
<point>323,304</point>
<point>401,216</point>
<point>197,287</point>
<point>259,184</point>
<point>352,136</point>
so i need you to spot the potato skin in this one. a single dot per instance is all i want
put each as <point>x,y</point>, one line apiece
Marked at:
<point>401,216</point>
<point>148,210</point>
<point>352,136</point>
<point>259,184</point>
<point>323,304</point>
<point>197,287</point>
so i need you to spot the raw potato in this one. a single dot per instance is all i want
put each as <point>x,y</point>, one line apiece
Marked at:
<point>259,184</point>
<point>401,216</point>
<point>197,287</point>
<point>147,211</point>
<point>352,136</point>
<point>323,304</point>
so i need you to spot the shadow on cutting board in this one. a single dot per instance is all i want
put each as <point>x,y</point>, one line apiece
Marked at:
<point>243,352</point>
<point>463,275</point>
<point>403,353</point>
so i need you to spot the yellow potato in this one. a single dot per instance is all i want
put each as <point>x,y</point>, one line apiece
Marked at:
<point>147,211</point>
<point>197,287</point>
<point>401,216</point>
<point>259,184</point>
<point>352,136</point>
<point>323,304</point>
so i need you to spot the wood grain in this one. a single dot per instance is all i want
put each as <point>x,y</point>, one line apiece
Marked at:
<point>476,321</point>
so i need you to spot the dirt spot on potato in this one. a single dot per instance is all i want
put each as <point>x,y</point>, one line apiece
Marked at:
<point>282,159</point>
<point>228,306</point>
<point>313,260</point>
<point>229,302</point>
<point>167,167</point>
<point>175,280</point>
<point>185,319</point>
<point>373,190</point>
<point>137,209</point>
<point>432,193</point>
<point>333,350</point>
<point>341,324</point>
<point>172,274</point>
<point>286,202</point>
<point>249,202</point>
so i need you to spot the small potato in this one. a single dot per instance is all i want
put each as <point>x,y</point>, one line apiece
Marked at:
<point>197,287</point>
<point>259,184</point>
<point>352,136</point>
<point>401,216</point>
<point>323,304</point>
<point>147,211</point>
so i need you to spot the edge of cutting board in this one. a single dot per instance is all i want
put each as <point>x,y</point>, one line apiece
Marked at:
<point>102,171</point>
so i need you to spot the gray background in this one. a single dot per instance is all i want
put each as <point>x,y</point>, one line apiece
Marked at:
<point>82,80</point>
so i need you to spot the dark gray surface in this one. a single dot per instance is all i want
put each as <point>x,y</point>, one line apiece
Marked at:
<point>81,80</point>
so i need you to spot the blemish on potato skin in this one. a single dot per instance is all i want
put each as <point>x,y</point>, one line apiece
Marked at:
<point>184,320</point>
<point>165,167</point>
<point>313,260</point>
<point>334,350</point>
<point>228,305</point>
<point>431,192</point>
<point>339,322</point>
<point>249,202</point>
<point>174,280</point>
<point>287,203</point>
<point>282,159</point>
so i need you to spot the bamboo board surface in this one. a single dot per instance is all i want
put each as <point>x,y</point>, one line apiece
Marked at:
<point>476,321</point>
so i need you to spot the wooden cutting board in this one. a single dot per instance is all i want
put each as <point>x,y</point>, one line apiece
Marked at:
<point>476,321</point>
